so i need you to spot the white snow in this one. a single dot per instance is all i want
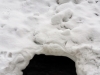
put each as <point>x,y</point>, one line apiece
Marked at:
<point>68,28</point>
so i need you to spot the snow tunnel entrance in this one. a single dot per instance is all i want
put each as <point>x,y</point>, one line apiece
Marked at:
<point>50,65</point>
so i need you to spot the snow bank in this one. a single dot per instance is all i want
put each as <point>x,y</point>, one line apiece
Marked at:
<point>68,28</point>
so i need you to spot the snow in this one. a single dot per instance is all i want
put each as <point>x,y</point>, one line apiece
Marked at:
<point>67,28</point>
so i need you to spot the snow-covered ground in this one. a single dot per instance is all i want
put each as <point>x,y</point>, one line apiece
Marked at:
<point>68,28</point>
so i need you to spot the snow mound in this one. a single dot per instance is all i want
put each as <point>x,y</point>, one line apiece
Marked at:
<point>68,28</point>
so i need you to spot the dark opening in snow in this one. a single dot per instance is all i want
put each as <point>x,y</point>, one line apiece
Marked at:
<point>50,65</point>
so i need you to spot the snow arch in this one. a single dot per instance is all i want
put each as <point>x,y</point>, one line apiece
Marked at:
<point>69,28</point>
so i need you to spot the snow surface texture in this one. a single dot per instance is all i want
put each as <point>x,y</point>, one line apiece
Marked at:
<point>68,28</point>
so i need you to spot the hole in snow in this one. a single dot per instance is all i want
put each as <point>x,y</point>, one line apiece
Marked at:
<point>96,1</point>
<point>57,1</point>
<point>96,14</point>
<point>50,65</point>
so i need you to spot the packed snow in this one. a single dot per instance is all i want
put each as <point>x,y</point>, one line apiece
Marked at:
<point>69,28</point>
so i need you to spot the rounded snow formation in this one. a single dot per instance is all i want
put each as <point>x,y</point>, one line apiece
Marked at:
<point>69,28</point>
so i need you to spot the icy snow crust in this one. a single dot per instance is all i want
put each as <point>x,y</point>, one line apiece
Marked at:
<point>68,28</point>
